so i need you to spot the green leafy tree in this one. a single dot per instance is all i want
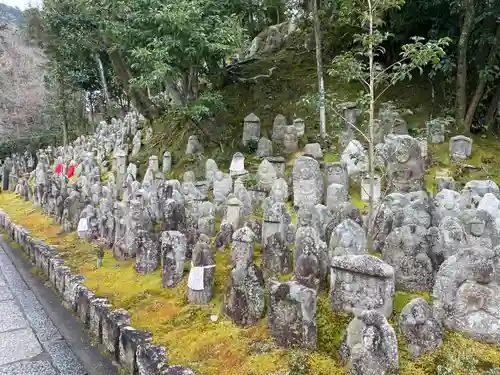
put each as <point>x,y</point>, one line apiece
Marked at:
<point>363,64</point>
<point>470,72</point>
<point>146,47</point>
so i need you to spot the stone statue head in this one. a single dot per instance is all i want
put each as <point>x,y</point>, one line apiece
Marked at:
<point>477,227</point>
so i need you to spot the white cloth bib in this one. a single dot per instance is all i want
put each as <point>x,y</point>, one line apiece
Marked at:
<point>195,279</point>
<point>83,227</point>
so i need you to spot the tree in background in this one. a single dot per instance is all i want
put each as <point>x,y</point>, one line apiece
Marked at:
<point>319,68</point>
<point>363,64</point>
<point>471,67</point>
<point>21,83</point>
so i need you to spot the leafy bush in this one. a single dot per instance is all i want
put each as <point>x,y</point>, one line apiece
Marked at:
<point>252,146</point>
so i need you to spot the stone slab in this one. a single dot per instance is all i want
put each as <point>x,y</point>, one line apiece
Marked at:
<point>18,345</point>
<point>64,359</point>
<point>5,293</point>
<point>43,326</point>
<point>28,368</point>
<point>11,317</point>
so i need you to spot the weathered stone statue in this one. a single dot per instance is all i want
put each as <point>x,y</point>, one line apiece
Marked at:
<point>202,274</point>
<point>404,163</point>
<point>173,250</point>
<point>460,147</point>
<point>361,282</point>
<point>292,314</point>
<point>148,252</point>
<point>307,182</point>
<point>406,250</point>
<point>244,303</point>
<point>466,293</point>
<point>370,346</point>
<point>421,331</point>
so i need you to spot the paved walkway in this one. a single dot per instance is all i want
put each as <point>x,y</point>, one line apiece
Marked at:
<point>30,343</point>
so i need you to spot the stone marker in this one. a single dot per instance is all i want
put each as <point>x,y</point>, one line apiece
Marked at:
<point>460,147</point>
<point>292,314</point>
<point>279,125</point>
<point>307,182</point>
<point>421,331</point>
<point>173,250</point>
<point>265,147</point>
<point>202,273</point>
<point>370,346</point>
<point>251,128</point>
<point>361,282</point>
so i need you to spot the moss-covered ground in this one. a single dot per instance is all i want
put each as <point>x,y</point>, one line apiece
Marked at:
<point>220,347</point>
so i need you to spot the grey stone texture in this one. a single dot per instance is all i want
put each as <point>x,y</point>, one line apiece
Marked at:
<point>29,341</point>
<point>370,346</point>
<point>465,295</point>
<point>421,331</point>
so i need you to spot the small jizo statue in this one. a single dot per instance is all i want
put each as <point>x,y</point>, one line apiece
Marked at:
<point>202,274</point>
<point>244,302</point>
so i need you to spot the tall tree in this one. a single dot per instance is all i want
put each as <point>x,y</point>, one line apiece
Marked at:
<point>463,43</point>
<point>319,68</point>
<point>363,64</point>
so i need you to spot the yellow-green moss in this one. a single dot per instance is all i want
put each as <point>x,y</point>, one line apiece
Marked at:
<point>331,327</point>
<point>401,299</point>
<point>221,347</point>
<point>208,347</point>
<point>484,153</point>
<point>330,157</point>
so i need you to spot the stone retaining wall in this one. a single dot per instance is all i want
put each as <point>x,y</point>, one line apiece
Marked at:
<point>129,347</point>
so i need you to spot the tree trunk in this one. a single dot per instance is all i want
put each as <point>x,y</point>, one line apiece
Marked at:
<point>139,97</point>
<point>319,67</point>
<point>104,84</point>
<point>461,86</point>
<point>64,122</point>
<point>92,116</point>
<point>371,125</point>
<point>492,112</point>
<point>174,92</point>
<point>478,94</point>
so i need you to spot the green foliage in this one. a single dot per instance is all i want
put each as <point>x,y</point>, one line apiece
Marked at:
<point>206,107</point>
<point>31,143</point>
<point>493,371</point>
<point>352,65</point>
<point>189,34</point>
<point>448,364</point>
<point>252,146</point>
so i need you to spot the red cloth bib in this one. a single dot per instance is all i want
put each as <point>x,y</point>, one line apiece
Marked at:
<point>59,168</point>
<point>71,171</point>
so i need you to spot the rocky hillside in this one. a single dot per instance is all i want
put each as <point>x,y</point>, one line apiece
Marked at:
<point>21,79</point>
<point>10,15</point>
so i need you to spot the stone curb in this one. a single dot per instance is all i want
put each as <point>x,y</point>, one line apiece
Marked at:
<point>130,348</point>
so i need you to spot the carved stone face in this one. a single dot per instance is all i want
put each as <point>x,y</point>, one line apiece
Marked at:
<point>279,193</point>
<point>450,204</point>
<point>477,227</point>
<point>305,218</point>
<point>419,314</point>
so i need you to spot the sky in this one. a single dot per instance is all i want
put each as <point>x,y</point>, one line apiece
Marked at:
<point>21,4</point>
